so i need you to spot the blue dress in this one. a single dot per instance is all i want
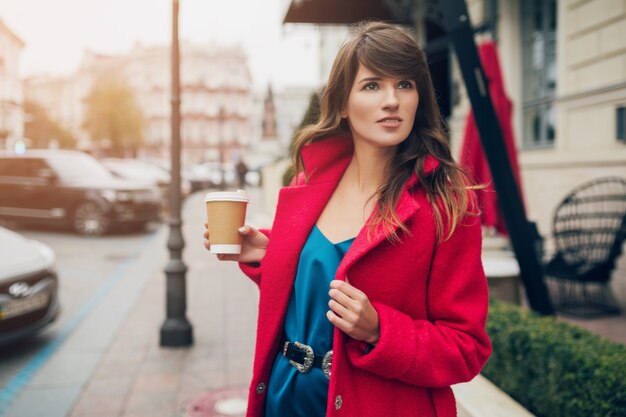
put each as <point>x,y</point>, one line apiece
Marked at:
<point>291,393</point>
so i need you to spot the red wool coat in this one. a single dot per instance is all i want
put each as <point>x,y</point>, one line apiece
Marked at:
<point>431,300</point>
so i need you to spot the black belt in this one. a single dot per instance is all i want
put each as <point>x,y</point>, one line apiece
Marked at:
<point>303,358</point>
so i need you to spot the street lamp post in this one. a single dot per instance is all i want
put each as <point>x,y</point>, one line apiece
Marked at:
<point>176,330</point>
<point>220,143</point>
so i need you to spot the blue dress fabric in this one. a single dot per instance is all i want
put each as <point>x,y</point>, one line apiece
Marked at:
<point>292,393</point>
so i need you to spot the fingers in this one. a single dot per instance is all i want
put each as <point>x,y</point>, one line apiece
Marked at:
<point>347,289</point>
<point>339,322</point>
<point>253,236</point>
<point>343,299</point>
<point>253,248</point>
<point>339,309</point>
<point>352,312</point>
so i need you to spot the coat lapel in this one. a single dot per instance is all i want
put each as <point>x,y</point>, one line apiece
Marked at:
<point>406,208</point>
<point>298,209</point>
<point>362,245</point>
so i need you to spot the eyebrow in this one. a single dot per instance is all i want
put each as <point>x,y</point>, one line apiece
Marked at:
<point>370,79</point>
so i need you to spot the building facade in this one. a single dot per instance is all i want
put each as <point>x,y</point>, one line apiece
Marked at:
<point>564,67</point>
<point>11,98</point>
<point>216,98</point>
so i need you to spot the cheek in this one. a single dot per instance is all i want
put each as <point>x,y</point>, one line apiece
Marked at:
<point>359,109</point>
<point>412,106</point>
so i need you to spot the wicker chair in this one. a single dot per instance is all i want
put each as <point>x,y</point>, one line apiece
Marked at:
<point>589,228</point>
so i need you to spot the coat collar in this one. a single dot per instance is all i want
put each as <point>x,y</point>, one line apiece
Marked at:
<point>327,159</point>
<point>324,162</point>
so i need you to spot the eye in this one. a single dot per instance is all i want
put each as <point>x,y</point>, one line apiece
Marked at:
<point>372,85</point>
<point>405,84</point>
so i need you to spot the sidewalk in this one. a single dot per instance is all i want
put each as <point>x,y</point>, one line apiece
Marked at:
<point>137,377</point>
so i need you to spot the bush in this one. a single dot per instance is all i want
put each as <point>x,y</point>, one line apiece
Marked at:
<point>552,368</point>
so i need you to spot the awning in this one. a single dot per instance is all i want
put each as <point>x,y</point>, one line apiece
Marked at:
<point>339,12</point>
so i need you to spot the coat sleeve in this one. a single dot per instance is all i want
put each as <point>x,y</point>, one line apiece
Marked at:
<point>254,270</point>
<point>452,345</point>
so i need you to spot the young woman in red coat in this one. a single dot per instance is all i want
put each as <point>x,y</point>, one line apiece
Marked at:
<point>373,300</point>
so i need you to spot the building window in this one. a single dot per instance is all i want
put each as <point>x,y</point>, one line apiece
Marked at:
<point>620,127</point>
<point>539,69</point>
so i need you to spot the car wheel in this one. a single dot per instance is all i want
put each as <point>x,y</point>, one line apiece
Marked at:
<point>90,219</point>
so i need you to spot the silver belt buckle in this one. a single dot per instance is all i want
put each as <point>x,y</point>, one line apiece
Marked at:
<point>309,357</point>
<point>327,363</point>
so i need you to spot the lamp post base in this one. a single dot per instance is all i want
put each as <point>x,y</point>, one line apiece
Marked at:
<point>176,333</point>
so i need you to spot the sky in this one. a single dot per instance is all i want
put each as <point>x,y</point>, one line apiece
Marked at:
<point>56,33</point>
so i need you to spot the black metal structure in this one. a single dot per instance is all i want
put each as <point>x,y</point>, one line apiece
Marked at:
<point>589,230</point>
<point>523,238</point>
<point>176,330</point>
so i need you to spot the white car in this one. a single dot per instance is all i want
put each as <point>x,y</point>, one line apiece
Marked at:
<point>28,286</point>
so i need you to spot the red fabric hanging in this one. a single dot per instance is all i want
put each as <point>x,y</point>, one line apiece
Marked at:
<point>472,156</point>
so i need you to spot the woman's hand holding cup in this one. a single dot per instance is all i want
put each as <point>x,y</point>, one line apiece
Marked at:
<point>253,247</point>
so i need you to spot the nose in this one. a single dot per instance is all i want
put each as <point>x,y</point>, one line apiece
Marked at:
<point>390,100</point>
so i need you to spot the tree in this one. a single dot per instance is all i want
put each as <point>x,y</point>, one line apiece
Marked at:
<point>311,116</point>
<point>42,130</point>
<point>112,115</point>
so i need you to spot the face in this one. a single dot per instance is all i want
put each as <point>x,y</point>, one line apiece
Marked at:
<point>380,110</point>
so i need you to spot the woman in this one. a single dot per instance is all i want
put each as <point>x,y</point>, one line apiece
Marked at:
<point>374,254</point>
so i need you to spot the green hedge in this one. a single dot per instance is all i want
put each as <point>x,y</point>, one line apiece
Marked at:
<point>552,368</point>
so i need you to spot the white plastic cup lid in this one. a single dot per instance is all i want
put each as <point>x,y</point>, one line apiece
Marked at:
<point>239,195</point>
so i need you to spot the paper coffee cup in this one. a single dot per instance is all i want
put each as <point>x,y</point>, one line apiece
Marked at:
<point>226,213</point>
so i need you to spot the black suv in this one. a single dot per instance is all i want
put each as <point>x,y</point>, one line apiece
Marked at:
<point>73,189</point>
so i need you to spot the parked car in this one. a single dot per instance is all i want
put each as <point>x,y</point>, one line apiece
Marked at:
<point>197,175</point>
<point>28,287</point>
<point>219,173</point>
<point>141,171</point>
<point>71,188</point>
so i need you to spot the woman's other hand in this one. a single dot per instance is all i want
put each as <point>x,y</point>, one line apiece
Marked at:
<point>352,312</point>
<point>253,246</point>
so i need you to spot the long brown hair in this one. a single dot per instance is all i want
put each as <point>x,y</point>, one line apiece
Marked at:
<point>386,50</point>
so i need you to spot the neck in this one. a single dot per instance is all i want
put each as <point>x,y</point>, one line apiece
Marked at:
<point>367,170</point>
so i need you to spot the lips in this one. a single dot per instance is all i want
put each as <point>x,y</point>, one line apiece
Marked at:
<point>390,121</point>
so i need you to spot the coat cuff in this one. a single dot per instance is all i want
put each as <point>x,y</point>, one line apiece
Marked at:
<point>394,353</point>
<point>252,270</point>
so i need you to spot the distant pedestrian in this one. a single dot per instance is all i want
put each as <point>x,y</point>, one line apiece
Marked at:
<point>242,171</point>
<point>373,299</point>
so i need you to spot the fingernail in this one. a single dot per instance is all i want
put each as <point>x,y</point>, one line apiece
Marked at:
<point>242,229</point>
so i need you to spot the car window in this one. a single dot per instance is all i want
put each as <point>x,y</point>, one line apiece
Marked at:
<point>70,167</point>
<point>8,167</point>
<point>21,167</point>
